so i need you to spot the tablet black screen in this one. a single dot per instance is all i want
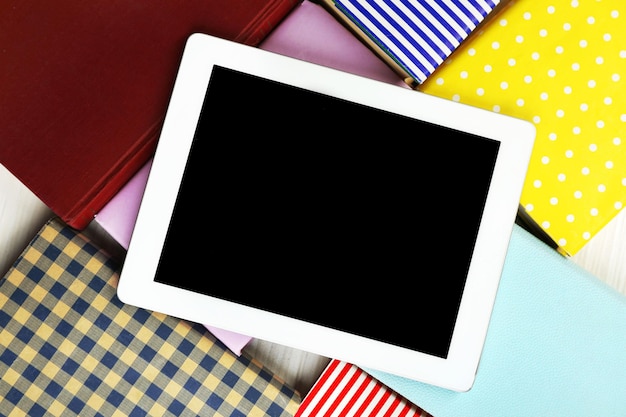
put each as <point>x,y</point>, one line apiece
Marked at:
<point>328,211</point>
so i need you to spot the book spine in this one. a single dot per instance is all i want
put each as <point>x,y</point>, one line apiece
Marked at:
<point>375,47</point>
<point>265,21</point>
<point>84,211</point>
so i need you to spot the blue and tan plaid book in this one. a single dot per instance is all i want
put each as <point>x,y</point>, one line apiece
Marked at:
<point>69,346</point>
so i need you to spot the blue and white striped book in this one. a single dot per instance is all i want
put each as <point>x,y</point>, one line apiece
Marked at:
<point>417,34</point>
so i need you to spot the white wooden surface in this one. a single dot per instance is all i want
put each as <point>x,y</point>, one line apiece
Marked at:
<point>22,214</point>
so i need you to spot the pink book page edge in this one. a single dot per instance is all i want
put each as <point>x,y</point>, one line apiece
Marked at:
<point>118,216</point>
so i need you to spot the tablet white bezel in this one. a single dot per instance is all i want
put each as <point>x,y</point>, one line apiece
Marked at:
<point>137,285</point>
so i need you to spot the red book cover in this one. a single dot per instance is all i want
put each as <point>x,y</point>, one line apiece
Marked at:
<point>84,86</point>
<point>345,390</point>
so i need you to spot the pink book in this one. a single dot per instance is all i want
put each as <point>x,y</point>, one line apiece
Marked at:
<point>309,33</point>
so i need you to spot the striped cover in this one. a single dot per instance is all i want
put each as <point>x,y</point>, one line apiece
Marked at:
<point>418,34</point>
<point>346,390</point>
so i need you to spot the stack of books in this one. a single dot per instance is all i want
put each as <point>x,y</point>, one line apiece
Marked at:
<point>85,92</point>
<point>81,138</point>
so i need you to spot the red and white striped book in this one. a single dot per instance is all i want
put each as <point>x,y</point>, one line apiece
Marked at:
<point>345,390</point>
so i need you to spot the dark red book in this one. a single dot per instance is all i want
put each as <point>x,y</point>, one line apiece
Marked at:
<point>84,86</point>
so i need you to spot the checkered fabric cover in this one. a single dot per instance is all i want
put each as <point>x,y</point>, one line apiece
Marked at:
<point>69,346</point>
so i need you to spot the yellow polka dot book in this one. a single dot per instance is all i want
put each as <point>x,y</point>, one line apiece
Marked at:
<point>560,64</point>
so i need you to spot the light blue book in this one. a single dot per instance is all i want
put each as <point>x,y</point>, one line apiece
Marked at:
<point>556,345</point>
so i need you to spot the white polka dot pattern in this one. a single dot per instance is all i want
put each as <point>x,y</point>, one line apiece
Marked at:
<point>562,65</point>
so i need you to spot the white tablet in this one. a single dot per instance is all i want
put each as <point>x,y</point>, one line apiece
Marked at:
<point>328,212</point>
